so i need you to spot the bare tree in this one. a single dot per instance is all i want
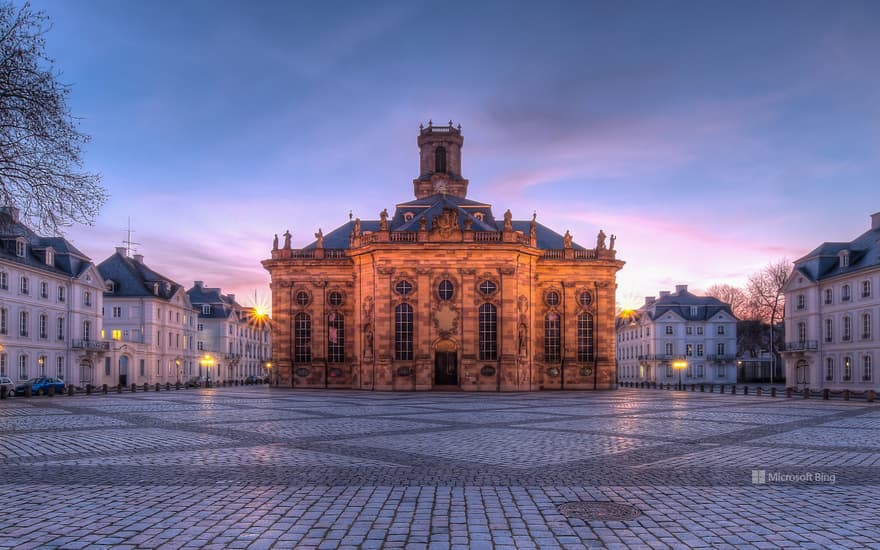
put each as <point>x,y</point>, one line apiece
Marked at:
<point>735,296</point>
<point>764,290</point>
<point>40,145</point>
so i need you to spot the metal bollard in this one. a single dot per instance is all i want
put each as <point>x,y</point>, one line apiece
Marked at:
<point>70,390</point>
<point>2,392</point>
<point>772,392</point>
<point>702,388</point>
<point>733,389</point>
<point>146,387</point>
<point>88,389</point>
<point>869,395</point>
<point>134,387</point>
<point>104,388</point>
<point>745,390</point>
<point>806,393</point>
<point>167,386</point>
<point>711,388</point>
<point>119,388</point>
<point>758,391</point>
<point>825,393</point>
<point>28,392</point>
<point>846,395</point>
<point>51,391</point>
<point>788,393</point>
<point>157,386</point>
<point>722,389</point>
<point>177,386</point>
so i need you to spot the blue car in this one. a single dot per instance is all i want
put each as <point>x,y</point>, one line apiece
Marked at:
<point>40,386</point>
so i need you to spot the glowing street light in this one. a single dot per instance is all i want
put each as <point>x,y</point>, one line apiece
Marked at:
<point>679,365</point>
<point>207,362</point>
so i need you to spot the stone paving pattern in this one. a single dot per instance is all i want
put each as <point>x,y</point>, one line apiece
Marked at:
<point>253,467</point>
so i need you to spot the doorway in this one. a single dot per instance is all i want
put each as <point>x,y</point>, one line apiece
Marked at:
<point>802,374</point>
<point>445,364</point>
<point>123,371</point>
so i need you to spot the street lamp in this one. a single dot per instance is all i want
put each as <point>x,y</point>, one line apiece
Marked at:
<point>269,371</point>
<point>207,362</point>
<point>679,365</point>
<point>177,362</point>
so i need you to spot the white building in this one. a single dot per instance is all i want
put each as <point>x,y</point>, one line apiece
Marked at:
<point>149,323</point>
<point>677,327</point>
<point>831,314</point>
<point>237,338</point>
<point>50,303</point>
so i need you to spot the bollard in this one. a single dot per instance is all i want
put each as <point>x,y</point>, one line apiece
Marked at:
<point>28,391</point>
<point>88,389</point>
<point>167,386</point>
<point>745,390</point>
<point>104,388</point>
<point>2,392</point>
<point>869,395</point>
<point>806,393</point>
<point>70,390</point>
<point>119,388</point>
<point>825,394</point>
<point>772,392</point>
<point>711,388</point>
<point>702,388</point>
<point>146,387</point>
<point>134,387</point>
<point>846,395</point>
<point>733,389</point>
<point>177,386</point>
<point>51,391</point>
<point>157,386</point>
<point>788,393</point>
<point>758,391</point>
<point>722,389</point>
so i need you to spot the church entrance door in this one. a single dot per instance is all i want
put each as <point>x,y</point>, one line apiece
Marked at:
<point>445,364</point>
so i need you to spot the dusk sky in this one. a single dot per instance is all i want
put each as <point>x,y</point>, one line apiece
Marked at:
<point>711,137</point>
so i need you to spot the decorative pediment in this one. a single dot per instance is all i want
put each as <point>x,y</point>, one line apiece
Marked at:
<point>445,226</point>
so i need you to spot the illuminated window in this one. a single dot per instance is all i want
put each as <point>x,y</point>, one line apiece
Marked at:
<point>117,334</point>
<point>488,332</point>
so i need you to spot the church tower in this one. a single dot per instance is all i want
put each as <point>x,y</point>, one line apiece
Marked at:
<point>440,162</point>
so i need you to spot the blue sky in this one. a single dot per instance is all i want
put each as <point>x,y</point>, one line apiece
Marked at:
<point>711,137</point>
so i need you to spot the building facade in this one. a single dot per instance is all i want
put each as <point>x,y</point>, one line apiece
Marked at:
<point>696,332</point>
<point>831,315</point>
<point>50,304</point>
<point>237,338</point>
<point>442,294</point>
<point>149,326</point>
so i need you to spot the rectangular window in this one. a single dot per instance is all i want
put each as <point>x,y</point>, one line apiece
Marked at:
<point>866,326</point>
<point>44,329</point>
<point>4,281</point>
<point>201,327</point>
<point>302,338</point>
<point>4,320</point>
<point>699,350</point>
<point>699,331</point>
<point>117,312</point>
<point>802,332</point>
<point>668,371</point>
<point>720,349</point>
<point>847,368</point>
<point>23,323</point>
<point>143,367</point>
<point>845,293</point>
<point>60,331</point>
<point>829,330</point>
<point>866,289</point>
<point>668,329</point>
<point>87,330</point>
<point>722,371</point>
<point>801,301</point>
<point>847,329</point>
<point>699,371</point>
<point>116,334</point>
<point>585,337</point>
<point>720,330</point>
<point>44,289</point>
<point>61,293</point>
<point>335,338</point>
<point>87,299</point>
<point>59,367</point>
<point>669,350</point>
<point>3,365</point>
<point>200,345</point>
<point>24,285</point>
<point>829,369</point>
<point>689,350</point>
<point>829,296</point>
<point>22,367</point>
<point>689,330</point>
<point>108,369</point>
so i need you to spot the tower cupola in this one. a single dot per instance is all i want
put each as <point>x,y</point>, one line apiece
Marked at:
<point>440,161</point>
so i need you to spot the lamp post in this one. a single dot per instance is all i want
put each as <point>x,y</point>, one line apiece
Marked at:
<point>177,363</point>
<point>207,362</point>
<point>269,372</point>
<point>679,365</point>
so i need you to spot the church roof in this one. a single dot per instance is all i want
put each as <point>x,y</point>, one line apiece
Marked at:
<point>434,205</point>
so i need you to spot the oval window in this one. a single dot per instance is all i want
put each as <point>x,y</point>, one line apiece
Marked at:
<point>335,298</point>
<point>445,290</point>
<point>488,288</point>
<point>552,298</point>
<point>585,298</point>
<point>403,287</point>
<point>302,298</point>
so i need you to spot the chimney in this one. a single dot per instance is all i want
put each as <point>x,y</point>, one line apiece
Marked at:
<point>10,211</point>
<point>139,258</point>
<point>875,221</point>
<point>121,250</point>
<point>199,284</point>
<point>231,297</point>
<point>680,288</point>
<point>650,300</point>
<point>664,293</point>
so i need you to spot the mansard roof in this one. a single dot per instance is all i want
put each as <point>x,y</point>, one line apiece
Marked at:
<point>134,279</point>
<point>434,205</point>
<point>680,303</point>
<point>222,305</point>
<point>67,261</point>
<point>826,260</point>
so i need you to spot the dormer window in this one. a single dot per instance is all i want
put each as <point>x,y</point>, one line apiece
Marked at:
<point>479,216</point>
<point>111,286</point>
<point>20,248</point>
<point>844,258</point>
<point>50,257</point>
<point>206,309</point>
<point>408,216</point>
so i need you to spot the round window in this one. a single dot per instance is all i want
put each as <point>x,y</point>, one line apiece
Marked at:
<point>488,288</point>
<point>585,298</point>
<point>335,298</point>
<point>302,298</point>
<point>403,287</point>
<point>445,290</point>
<point>552,298</point>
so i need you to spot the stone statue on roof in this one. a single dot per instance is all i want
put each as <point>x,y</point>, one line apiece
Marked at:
<point>508,221</point>
<point>566,239</point>
<point>600,240</point>
<point>357,227</point>
<point>320,236</point>
<point>533,227</point>
<point>275,242</point>
<point>287,236</point>
<point>383,220</point>
<point>613,238</point>
<point>423,224</point>
<point>468,223</point>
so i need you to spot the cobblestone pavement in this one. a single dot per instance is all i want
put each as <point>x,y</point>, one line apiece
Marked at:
<point>253,467</point>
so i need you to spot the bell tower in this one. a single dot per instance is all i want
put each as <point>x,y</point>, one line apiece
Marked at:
<point>440,161</point>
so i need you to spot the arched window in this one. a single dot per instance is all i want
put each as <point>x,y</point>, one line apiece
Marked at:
<point>829,369</point>
<point>22,367</point>
<point>488,333</point>
<point>866,326</point>
<point>845,293</point>
<point>403,332</point>
<point>302,338</point>
<point>585,337</point>
<point>335,338</point>
<point>440,159</point>
<point>867,368</point>
<point>552,344</point>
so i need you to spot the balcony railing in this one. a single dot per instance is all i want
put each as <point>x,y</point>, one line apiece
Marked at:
<point>91,345</point>
<point>721,357</point>
<point>808,345</point>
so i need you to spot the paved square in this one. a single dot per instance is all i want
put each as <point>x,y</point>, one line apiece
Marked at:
<point>260,468</point>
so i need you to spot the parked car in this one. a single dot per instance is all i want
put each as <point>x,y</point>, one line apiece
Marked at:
<point>7,383</point>
<point>40,385</point>
<point>253,380</point>
<point>195,382</point>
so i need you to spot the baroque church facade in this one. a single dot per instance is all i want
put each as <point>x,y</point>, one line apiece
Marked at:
<point>441,294</point>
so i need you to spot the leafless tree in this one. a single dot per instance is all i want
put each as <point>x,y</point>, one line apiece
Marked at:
<point>735,296</point>
<point>41,169</point>
<point>764,290</point>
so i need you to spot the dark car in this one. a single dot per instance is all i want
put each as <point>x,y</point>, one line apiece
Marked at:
<point>40,385</point>
<point>195,382</point>
<point>253,380</point>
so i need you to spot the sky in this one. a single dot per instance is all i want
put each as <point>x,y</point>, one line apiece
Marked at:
<point>712,138</point>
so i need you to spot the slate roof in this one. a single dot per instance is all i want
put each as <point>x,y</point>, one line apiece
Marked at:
<point>133,279</point>
<point>428,207</point>
<point>681,304</point>
<point>222,305</point>
<point>824,261</point>
<point>68,260</point>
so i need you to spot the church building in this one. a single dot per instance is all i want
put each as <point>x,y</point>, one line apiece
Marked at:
<point>441,294</point>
